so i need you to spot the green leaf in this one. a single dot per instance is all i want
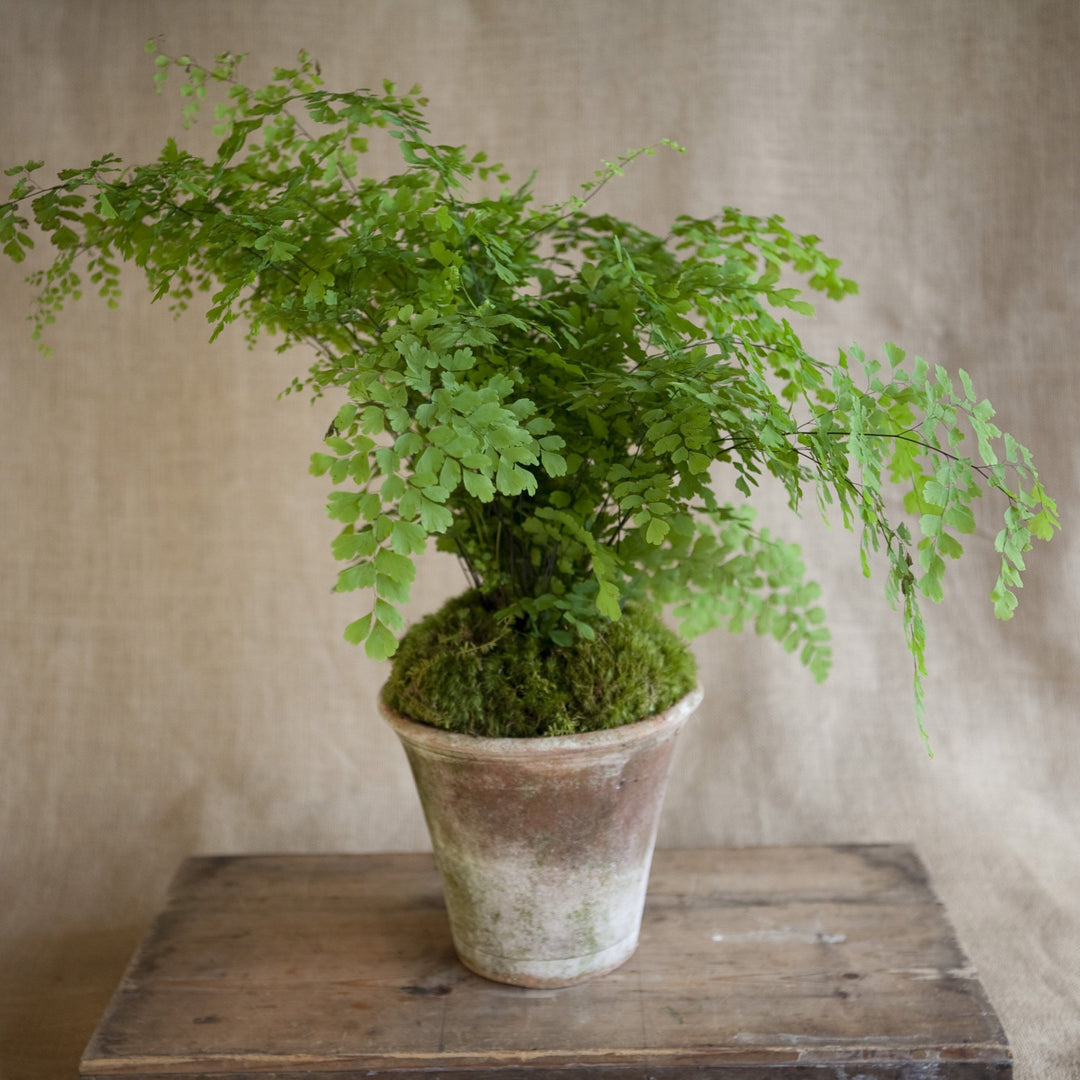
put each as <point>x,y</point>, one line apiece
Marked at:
<point>381,643</point>
<point>342,446</point>
<point>1042,526</point>
<point>449,475</point>
<point>398,567</point>
<point>894,354</point>
<point>435,518</point>
<point>935,493</point>
<point>965,382</point>
<point>960,518</point>
<point>389,616</point>
<point>478,485</point>
<point>607,601</point>
<point>320,464</point>
<point>344,506</point>
<point>435,492</point>
<point>554,464</point>
<point>1005,602</point>
<point>931,582</point>
<point>511,479</point>
<point>949,546</point>
<point>408,538</point>
<point>372,420</point>
<point>349,544</point>
<point>361,576</point>
<point>388,589</point>
<point>356,631</point>
<point>658,529</point>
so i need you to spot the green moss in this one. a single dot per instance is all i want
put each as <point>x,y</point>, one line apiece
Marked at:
<point>464,670</point>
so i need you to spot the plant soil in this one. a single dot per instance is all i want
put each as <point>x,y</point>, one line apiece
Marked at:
<point>463,669</point>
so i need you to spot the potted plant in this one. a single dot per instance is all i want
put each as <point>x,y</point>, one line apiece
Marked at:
<point>577,409</point>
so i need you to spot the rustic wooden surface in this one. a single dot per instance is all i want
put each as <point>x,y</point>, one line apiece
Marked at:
<point>795,963</point>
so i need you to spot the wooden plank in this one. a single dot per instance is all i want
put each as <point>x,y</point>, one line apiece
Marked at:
<point>793,962</point>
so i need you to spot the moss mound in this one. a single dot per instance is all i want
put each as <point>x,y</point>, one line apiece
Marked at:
<point>461,670</point>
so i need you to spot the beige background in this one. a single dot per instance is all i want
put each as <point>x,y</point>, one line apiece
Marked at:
<point>173,677</point>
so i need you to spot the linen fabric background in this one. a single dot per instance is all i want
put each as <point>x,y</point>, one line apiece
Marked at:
<point>173,676</point>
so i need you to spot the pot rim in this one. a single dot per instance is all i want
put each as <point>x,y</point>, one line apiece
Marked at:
<point>459,744</point>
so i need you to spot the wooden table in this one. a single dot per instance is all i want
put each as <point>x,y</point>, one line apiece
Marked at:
<point>793,963</point>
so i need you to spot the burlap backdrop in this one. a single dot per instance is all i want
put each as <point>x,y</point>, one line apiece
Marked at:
<point>173,676</point>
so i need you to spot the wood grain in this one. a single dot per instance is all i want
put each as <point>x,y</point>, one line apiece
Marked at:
<point>793,962</point>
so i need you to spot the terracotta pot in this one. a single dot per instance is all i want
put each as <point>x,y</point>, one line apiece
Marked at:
<point>544,844</point>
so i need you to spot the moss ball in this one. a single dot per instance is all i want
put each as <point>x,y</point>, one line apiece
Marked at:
<point>463,670</point>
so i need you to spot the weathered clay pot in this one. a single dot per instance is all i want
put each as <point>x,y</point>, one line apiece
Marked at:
<point>544,845</point>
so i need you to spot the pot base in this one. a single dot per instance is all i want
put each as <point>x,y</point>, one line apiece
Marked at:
<point>547,974</point>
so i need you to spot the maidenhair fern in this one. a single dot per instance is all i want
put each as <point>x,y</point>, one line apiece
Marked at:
<point>552,394</point>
